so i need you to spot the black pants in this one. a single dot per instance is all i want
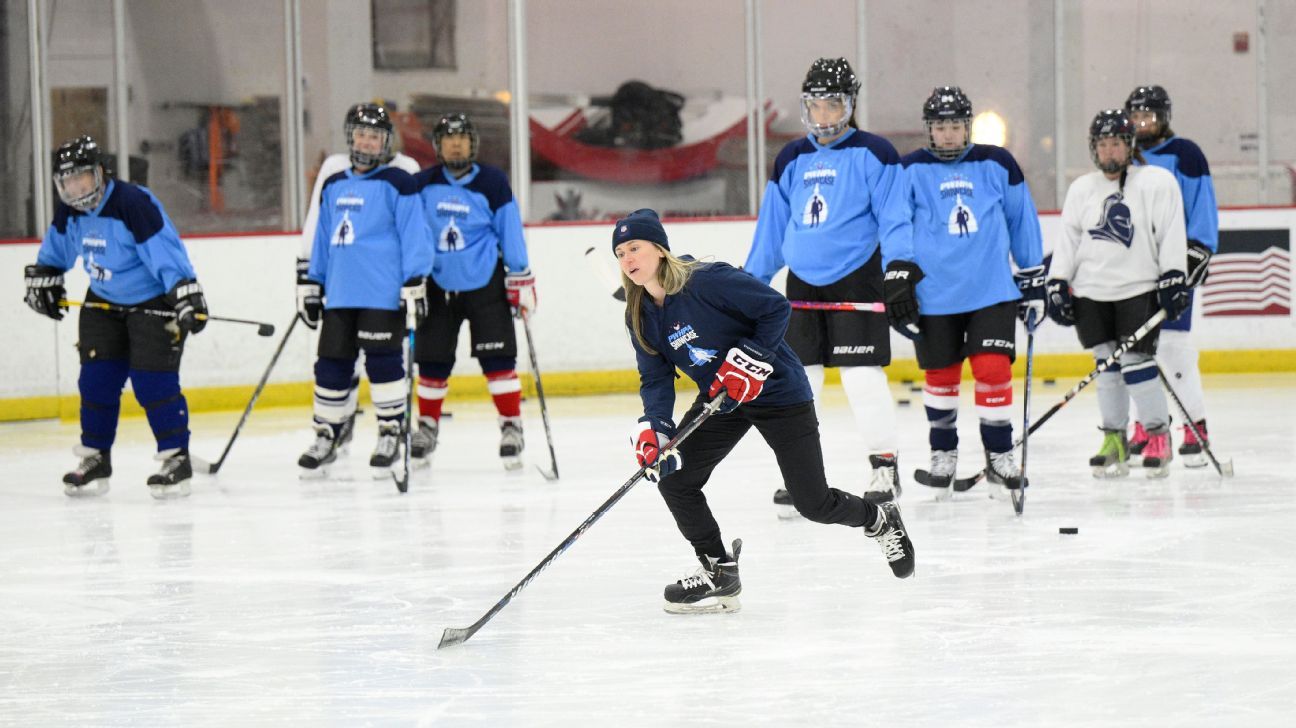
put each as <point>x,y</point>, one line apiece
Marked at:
<point>793,434</point>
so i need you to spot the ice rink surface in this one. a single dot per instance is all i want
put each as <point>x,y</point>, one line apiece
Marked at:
<point>266,600</point>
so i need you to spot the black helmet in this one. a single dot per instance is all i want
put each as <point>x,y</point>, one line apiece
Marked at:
<point>1110,123</point>
<point>450,124</point>
<point>829,79</point>
<point>947,102</point>
<point>73,157</point>
<point>1156,100</point>
<point>370,116</point>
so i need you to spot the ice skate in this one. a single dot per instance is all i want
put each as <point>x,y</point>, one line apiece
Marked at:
<point>1157,454</point>
<point>91,476</point>
<point>1138,440</point>
<point>423,442</point>
<point>1112,460</point>
<point>713,588</point>
<point>511,442</point>
<point>783,505</point>
<point>172,481</point>
<point>386,449</point>
<point>944,465</point>
<point>891,536</point>
<point>1002,473</point>
<point>885,483</point>
<point>1191,449</point>
<point>321,454</point>
<point>345,433</point>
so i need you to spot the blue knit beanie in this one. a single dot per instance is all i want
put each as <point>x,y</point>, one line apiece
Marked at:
<point>640,225</point>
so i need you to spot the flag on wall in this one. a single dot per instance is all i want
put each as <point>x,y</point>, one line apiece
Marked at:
<point>1250,275</point>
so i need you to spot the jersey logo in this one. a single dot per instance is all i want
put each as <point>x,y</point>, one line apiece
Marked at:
<point>451,239</point>
<point>699,356</point>
<point>681,335</point>
<point>350,202</point>
<point>1114,225</point>
<point>961,220</point>
<point>95,271</point>
<point>816,209</point>
<point>90,243</point>
<point>344,233</point>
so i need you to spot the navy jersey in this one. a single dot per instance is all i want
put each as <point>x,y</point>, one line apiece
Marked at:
<point>473,220</point>
<point>371,238</point>
<point>968,215</point>
<point>719,308</point>
<point>128,245</point>
<point>1186,162</point>
<point>827,208</point>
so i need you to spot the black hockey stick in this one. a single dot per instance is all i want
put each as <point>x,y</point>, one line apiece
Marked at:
<point>552,473</point>
<point>212,468</point>
<point>1224,469</point>
<point>1018,495</point>
<point>961,484</point>
<point>402,483</point>
<point>263,329</point>
<point>454,635</point>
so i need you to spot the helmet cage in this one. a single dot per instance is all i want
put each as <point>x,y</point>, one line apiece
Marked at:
<point>85,202</point>
<point>449,126</point>
<point>1111,123</point>
<point>847,102</point>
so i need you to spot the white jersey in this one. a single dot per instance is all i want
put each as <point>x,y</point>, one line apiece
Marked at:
<point>1115,243</point>
<point>333,164</point>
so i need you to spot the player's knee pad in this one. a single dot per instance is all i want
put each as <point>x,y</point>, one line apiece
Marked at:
<point>1137,367</point>
<point>334,374</point>
<point>335,390</point>
<point>388,398</point>
<point>100,384</point>
<point>164,405</point>
<point>493,364</point>
<point>435,369</point>
<point>941,388</point>
<point>384,365</point>
<point>993,374</point>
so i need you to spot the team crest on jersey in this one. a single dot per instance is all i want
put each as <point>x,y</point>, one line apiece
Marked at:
<point>95,271</point>
<point>453,207</point>
<point>816,209</point>
<point>961,222</point>
<point>451,238</point>
<point>681,335</point>
<point>344,233</point>
<point>94,243</point>
<point>350,202</point>
<point>819,174</point>
<point>1115,225</point>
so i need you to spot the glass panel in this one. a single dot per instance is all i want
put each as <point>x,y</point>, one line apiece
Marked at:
<point>206,108</point>
<point>602,145</point>
<point>1280,19</point>
<point>16,190</point>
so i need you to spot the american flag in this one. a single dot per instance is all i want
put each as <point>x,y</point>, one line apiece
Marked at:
<point>1250,275</point>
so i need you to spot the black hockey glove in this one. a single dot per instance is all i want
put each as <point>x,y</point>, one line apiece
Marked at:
<point>190,306</point>
<point>310,296</point>
<point>1172,293</point>
<point>900,288</point>
<point>414,298</point>
<point>45,290</point>
<point>1030,281</point>
<point>1061,307</point>
<point>1198,261</point>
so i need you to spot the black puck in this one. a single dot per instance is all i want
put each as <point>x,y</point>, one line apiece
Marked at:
<point>1050,382</point>
<point>903,402</point>
<point>1069,530</point>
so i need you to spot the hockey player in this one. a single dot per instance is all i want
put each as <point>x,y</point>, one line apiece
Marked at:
<point>481,276</point>
<point>971,209</point>
<point>331,165</point>
<point>136,261</point>
<point>1121,253</point>
<point>725,331</point>
<point>371,252</point>
<point>836,212</point>
<point>1149,109</point>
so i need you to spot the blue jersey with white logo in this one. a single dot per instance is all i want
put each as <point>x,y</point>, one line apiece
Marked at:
<point>473,220</point>
<point>371,238</point>
<point>720,307</point>
<point>969,213</point>
<point>128,245</point>
<point>1186,162</point>
<point>827,208</point>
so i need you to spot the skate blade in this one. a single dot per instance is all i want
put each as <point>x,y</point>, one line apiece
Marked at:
<point>1194,460</point>
<point>710,605</point>
<point>1156,473</point>
<point>512,463</point>
<point>96,487</point>
<point>320,473</point>
<point>943,494</point>
<point>170,492</point>
<point>786,512</point>
<point>379,472</point>
<point>997,491</point>
<point>1107,472</point>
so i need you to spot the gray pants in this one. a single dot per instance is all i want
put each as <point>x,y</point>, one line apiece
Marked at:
<point>1134,375</point>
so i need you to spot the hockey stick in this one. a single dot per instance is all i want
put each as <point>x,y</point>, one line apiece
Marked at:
<point>606,273</point>
<point>454,636</point>
<point>961,484</point>
<point>1019,495</point>
<point>411,323</point>
<point>552,474</point>
<point>1224,469</point>
<point>212,468</point>
<point>263,329</point>
<point>877,307</point>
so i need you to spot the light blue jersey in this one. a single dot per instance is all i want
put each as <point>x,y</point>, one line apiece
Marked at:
<point>128,245</point>
<point>473,221</point>
<point>1186,162</point>
<point>371,238</point>
<point>968,214</point>
<point>828,208</point>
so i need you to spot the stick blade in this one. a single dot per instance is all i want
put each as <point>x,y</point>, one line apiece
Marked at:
<point>454,636</point>
<point>549,476</point>
<point>1226,468</point>
<point>203,467</point>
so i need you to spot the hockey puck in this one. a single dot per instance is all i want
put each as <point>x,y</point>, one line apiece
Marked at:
<point>1050,382</point>
<point>915,389</point>
<point>1069,530</point>
<point>903,402</point>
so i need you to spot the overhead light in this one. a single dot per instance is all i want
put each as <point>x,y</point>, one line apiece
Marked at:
<point>989,128</point>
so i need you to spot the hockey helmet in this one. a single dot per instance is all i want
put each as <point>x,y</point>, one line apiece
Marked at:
<point>72,158</point>
<point>368,116</point>
<point>456,123</point>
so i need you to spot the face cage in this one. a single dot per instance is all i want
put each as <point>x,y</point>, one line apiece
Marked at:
<point>848,103</point>
<point>948,154</point>
<point>85,202</point>
<point>361,159</point>
<point>1115,167</point>
<point>461,164</point>
<point>1162,123</point>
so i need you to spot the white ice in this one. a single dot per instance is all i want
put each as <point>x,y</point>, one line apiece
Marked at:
<point>265,600</point>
